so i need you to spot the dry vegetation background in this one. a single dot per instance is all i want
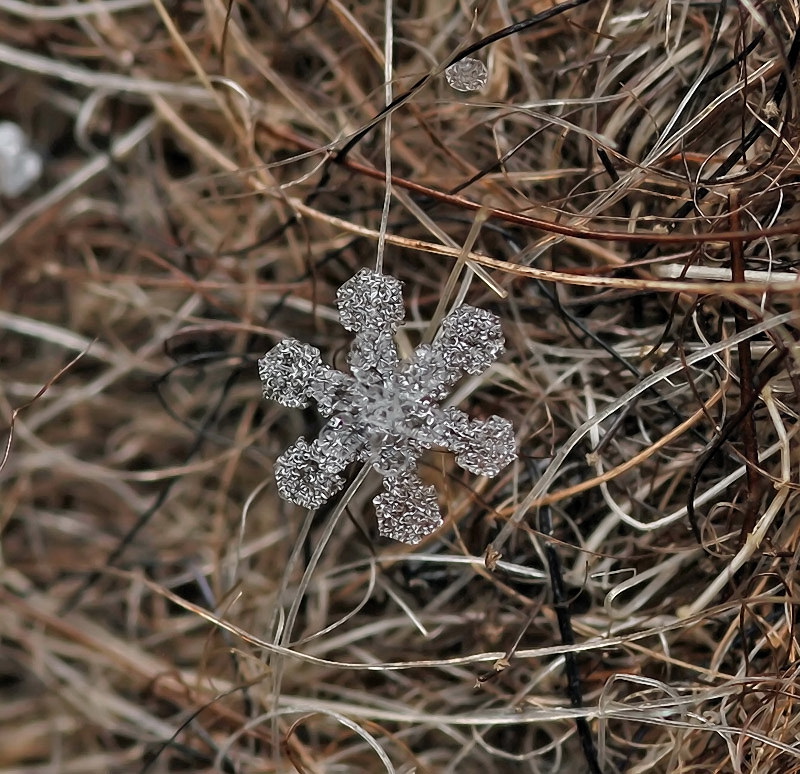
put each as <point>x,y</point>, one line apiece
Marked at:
<point>621,599</point>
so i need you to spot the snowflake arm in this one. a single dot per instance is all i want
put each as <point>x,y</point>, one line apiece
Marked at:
<point>407,510</point>
<point>469,341</point>
<point>371,306</point>
<point>293,374</point>
<point>370,300</point>
<point>310,474</point>
<point>483,446</point>
<point>304,476</point>
<point>287,372</point>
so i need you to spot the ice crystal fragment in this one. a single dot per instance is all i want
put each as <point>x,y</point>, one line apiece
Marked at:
<point>388,411</point>
<point>20,167</point>
<point>467,75</point>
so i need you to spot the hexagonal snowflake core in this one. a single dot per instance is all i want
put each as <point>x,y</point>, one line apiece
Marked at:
<point>387,411</point>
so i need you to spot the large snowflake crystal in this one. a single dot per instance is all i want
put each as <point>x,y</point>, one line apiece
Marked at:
<point>388,410</point>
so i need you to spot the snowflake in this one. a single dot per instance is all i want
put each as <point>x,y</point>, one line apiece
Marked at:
<point>387,410</point>
<point>20,167</point>
<point>467,75</point>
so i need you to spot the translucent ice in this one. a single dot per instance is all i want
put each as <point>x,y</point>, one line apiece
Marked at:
<point>467,75</point>
<point>387,410</point>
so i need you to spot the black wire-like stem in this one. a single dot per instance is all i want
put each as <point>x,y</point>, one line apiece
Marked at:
<point>561,607</point>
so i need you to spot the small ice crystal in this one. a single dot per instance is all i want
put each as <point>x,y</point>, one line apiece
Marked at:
<point>467,75</point>
<point>387,411</point>
<point>20,167</point>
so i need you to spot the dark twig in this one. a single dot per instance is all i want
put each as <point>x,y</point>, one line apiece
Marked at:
<point>563,616</point>
<point>742,322</point>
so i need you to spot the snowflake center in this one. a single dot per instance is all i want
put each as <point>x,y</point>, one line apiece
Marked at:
<point>386,409</point>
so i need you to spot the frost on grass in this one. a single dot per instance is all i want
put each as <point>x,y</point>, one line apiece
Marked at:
<point>387,410</point>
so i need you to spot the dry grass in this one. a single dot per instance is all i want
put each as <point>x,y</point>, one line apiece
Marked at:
<point>207,187</point>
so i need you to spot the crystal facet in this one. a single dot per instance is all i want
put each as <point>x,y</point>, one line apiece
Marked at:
<point>388,411</point>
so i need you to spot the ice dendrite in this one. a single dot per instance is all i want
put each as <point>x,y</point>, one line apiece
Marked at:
<point>386,410</point>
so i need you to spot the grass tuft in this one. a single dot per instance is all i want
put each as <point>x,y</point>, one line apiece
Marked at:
<point>622,193</point>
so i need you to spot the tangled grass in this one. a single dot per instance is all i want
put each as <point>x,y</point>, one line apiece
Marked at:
<point>622,193</point>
